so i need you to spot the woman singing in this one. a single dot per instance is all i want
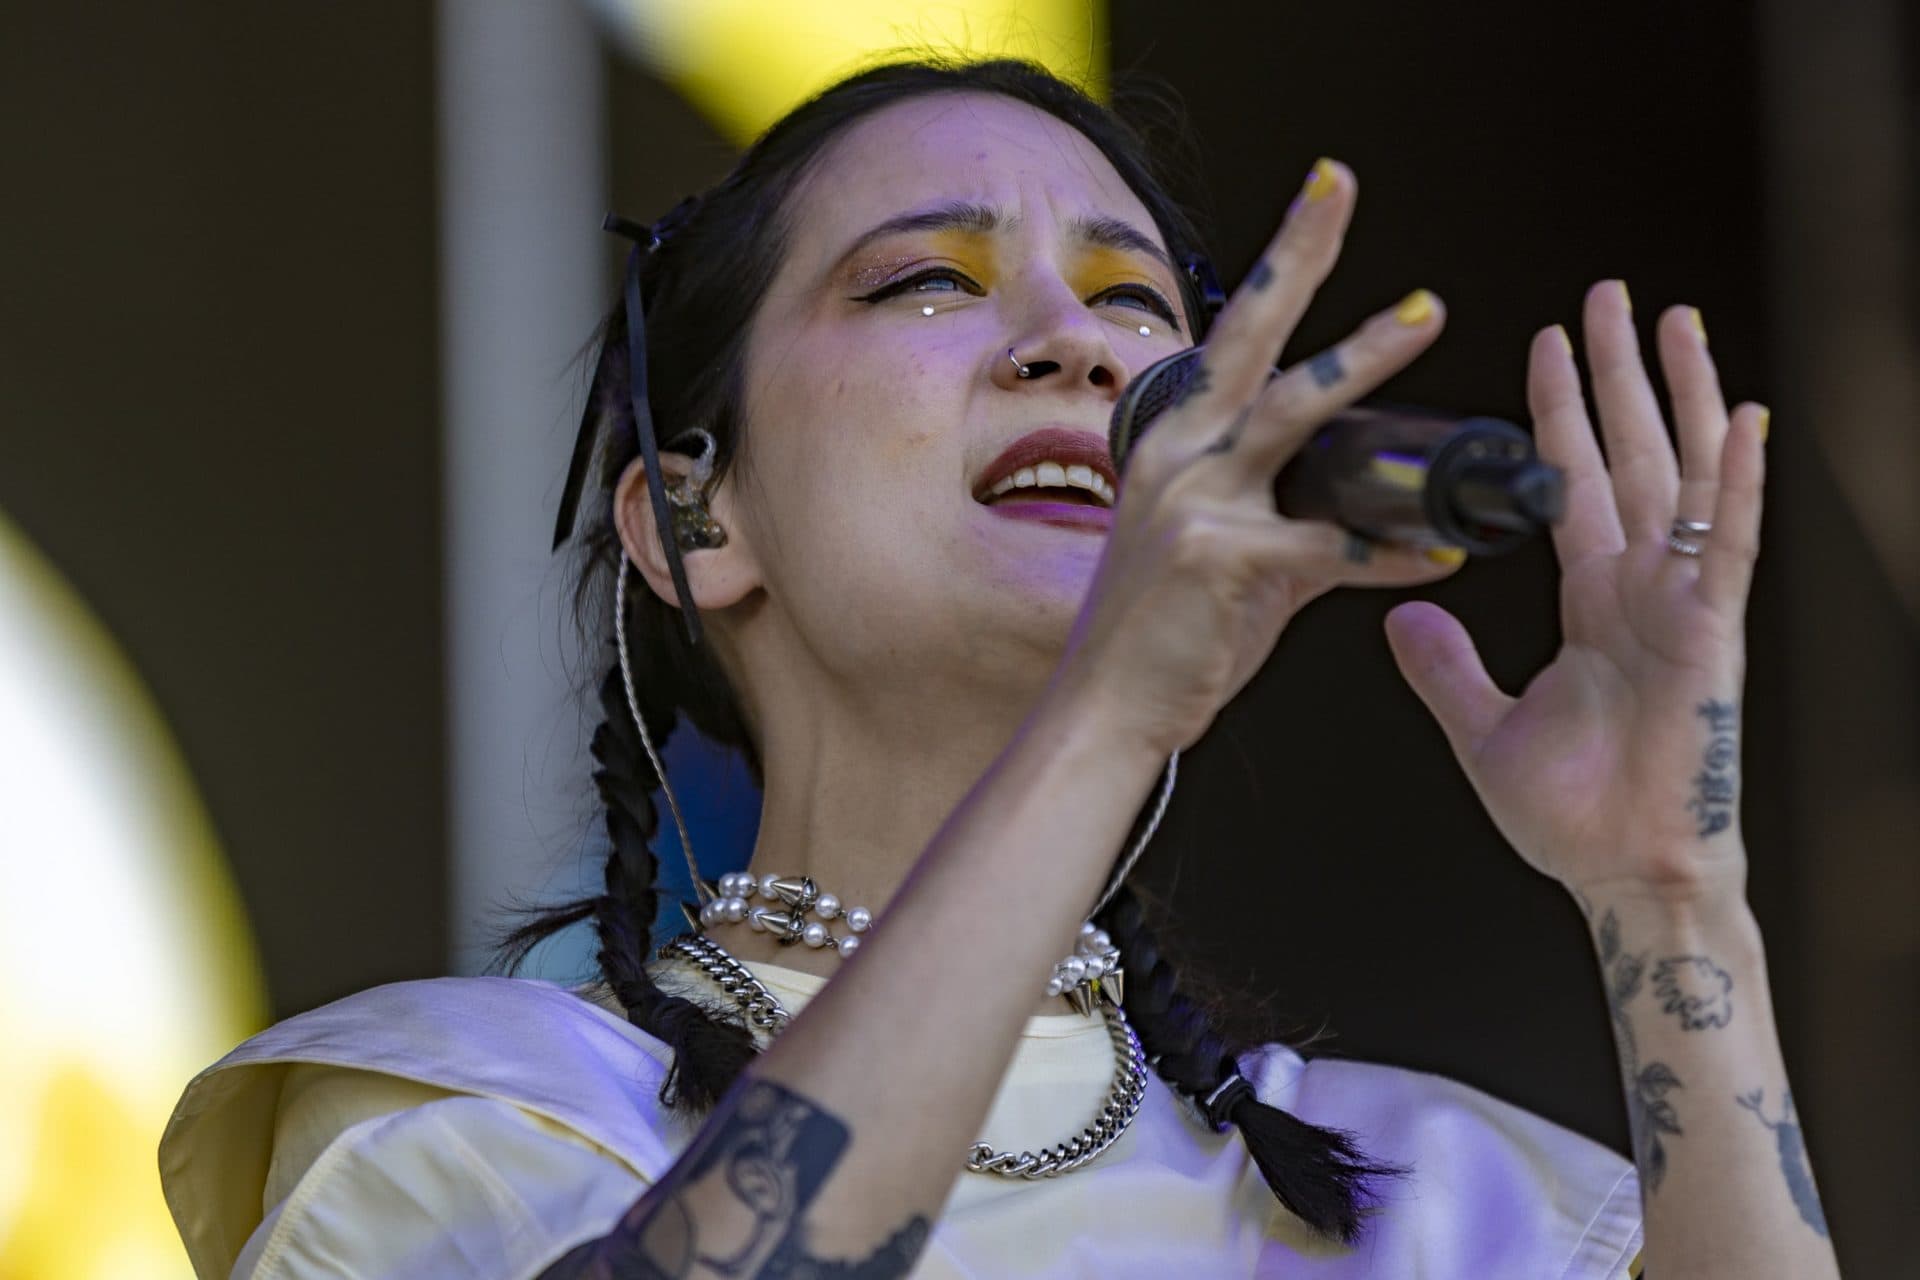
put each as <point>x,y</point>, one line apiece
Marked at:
<point>859,521</point>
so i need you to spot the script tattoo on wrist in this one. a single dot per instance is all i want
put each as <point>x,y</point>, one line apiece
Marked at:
<point>758,1165</point>
<point>1696,989</point>
<point>1793,1156</point>
<point>1326,369</point>
<point>1716,788</point>
<point>1649,1113</point>
<point>1358,549</point>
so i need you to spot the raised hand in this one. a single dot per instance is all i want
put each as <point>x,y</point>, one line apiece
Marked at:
<point>1618,766</point>
<point>1200,573</point>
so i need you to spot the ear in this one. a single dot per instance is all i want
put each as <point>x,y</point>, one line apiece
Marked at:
<point>717,576</point>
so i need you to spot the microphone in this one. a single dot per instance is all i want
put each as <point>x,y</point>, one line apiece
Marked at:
<point>1390,473</point>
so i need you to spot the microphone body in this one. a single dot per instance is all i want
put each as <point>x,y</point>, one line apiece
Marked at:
<point>1390,473</point>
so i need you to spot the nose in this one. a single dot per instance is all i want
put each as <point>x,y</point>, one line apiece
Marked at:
<point>1060,344</point>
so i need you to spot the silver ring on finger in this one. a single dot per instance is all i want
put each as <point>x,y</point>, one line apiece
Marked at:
<point>1681,538</point>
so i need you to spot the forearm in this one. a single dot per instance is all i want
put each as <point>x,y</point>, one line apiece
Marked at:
<point>844,1139</point>
<point>1725,1179</point>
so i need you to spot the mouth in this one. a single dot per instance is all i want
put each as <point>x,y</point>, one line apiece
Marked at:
<point>1062,514</point>
<point>1057,475</point>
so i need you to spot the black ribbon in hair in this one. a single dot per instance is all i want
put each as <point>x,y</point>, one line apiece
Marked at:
<point>645,241</point>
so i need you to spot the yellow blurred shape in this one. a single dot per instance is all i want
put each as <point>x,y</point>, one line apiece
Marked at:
<point>745,63</point>
<point>127,959</point>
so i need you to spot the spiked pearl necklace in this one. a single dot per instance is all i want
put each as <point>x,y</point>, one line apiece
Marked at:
<point>1083,979</point>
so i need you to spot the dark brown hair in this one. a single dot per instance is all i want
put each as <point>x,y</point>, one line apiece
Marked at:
<point>701,287</point>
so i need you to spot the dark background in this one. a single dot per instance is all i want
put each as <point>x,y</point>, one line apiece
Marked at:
<point>218,382</point>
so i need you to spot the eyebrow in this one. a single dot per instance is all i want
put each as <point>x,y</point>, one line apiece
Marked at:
<point>1102,230</point>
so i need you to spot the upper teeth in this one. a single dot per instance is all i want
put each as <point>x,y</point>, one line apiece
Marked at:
<point>1052,475</point>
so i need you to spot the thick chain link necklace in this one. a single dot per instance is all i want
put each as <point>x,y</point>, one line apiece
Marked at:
<point>764,1010</point>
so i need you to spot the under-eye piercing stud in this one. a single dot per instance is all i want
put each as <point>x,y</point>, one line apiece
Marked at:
<point>1145,332</point>
<point>1025,371</point>
<point>927,310</point>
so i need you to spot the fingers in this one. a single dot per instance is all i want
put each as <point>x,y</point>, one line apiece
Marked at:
<point>1247,339</point>
<point>1646,480</point>
<point>1438,659</point>
<point>1295,404</point>
<point>1309,551</point>
<point>1726,563</point>
<point>1699,410</point>
<point>1564,435</point>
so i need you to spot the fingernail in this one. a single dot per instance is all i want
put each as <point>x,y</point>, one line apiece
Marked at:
<point>1565,342</point>
<point>1699,325</point>
<point>1320,181</point>
<point>1766,416</point>
<point>1414,308</point>
<point>1625,296</point>
<point>1447,555</point>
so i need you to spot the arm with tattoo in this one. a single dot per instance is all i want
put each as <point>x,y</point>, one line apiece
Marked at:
<point>1726,1184</point>
<point>736,1204</point>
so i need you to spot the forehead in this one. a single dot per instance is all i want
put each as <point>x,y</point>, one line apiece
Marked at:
<point>975,147</point>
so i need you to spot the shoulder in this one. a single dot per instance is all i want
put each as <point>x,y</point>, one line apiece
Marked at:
<point>1478,1168</point>
<point>508,1060</point>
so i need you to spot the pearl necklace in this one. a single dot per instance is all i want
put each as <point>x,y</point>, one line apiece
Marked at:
<point>1129,1089</point>
<point>1091,973</point>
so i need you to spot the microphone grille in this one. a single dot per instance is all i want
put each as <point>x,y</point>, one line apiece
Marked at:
<point>1146,397</point>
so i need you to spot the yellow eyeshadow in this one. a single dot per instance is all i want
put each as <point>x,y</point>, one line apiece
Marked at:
<point>970,252</point>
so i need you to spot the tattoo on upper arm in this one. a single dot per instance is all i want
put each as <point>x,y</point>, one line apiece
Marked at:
<point>1695,988</point>
<point>1716,788</point>
<point>1793,1157</point>
<point>1261,276</point>
<point>768,1153</point>
<point>1326,368</point>
<point>1649,1113</point>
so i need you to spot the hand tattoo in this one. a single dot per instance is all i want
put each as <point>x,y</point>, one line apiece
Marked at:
<point>769,1151</point>
<point>1231,436</point>
<point>1695,988</point>
<point>1326,369</point>
<point>1359,550</point>
<point>1793,1157</point>
<point>1649,1114</point>
<point>1716,788</point>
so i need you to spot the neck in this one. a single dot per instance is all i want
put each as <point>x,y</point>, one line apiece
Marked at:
<point>857,784</point>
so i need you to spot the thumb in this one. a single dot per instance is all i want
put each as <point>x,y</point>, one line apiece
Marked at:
<point>1436,656</point>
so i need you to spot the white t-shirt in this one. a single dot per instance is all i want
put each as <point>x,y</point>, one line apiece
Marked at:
<point>481,1128</point>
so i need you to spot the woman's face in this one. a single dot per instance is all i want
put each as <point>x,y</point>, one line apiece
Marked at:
<point>873,423</point>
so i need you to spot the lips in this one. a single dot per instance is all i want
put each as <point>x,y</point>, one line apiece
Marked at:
<point>1065,445</point>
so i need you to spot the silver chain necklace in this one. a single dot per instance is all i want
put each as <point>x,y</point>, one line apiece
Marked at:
<point>764,1010</point>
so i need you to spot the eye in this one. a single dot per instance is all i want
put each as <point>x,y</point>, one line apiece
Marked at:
<point>1139,297</point>
<point>932,280</point>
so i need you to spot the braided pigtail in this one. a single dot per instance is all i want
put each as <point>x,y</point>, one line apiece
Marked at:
<point>708,1054</point>
<point>1317,1173</point>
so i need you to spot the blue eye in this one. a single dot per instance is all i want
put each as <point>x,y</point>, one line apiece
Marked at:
<point>1140,297</point>
<point>928,281</point>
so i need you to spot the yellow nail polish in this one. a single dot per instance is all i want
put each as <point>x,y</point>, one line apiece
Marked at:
<point>1320,181</point>
<point>1565,341</point>
<point>1447,555</point>
<point>1766,416</point>
<point>1626,297</point>
<point>1699,325</point>
<point>1414,308</point>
